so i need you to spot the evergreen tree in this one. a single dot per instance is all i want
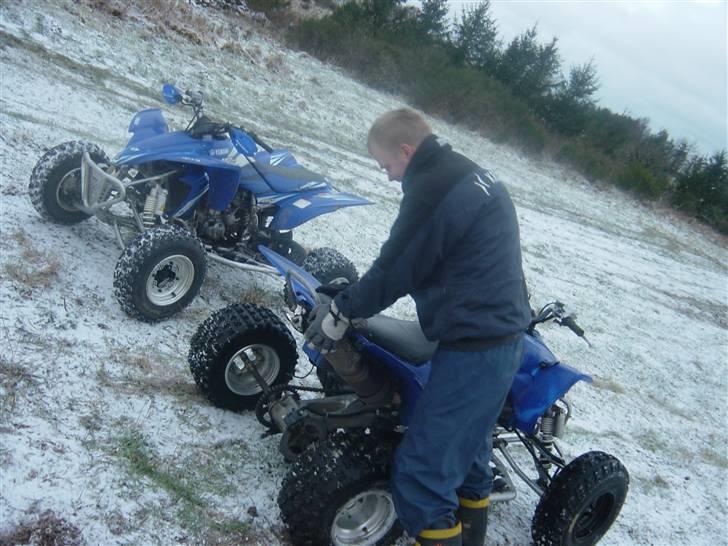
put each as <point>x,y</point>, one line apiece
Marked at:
<point>582,84</point>
<point>380,13</point>
<point>476,35</point>
<point>433,19</point>
<point>702,189</point>
<point>530,69</point>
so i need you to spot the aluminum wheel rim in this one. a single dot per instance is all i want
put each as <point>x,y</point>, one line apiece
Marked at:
<point>170,280</point>
<point>68,188</point>
<point>240,380</point>
<point>364,520</point>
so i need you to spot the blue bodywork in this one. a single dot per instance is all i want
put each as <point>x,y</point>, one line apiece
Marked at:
<point>218,166</point>
<point>539,383</point>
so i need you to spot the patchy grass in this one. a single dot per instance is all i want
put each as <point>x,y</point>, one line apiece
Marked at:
<point>712,456</point>
<point>47,529</point>
<point>655,484</point>
<point>13,378</point>
<point>35,268</point>
<point>142,462</point>
<point>172,18</point>
<point>192,481</point>
<point>650,441</point>
<point>146,370</point>
<point>259,296</point>
<point>669,406</point>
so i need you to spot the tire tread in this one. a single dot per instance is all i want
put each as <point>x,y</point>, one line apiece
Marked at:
<point>223,330</point>
<point>132,262</point>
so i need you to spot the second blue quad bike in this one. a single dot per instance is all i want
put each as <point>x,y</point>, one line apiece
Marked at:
<point>177,198</point>
<point>341,444</point>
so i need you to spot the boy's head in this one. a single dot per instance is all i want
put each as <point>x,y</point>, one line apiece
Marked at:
<point>394,138</point>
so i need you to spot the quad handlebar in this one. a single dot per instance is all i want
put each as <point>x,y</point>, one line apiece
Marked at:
<point>557,312</point>
<point>203,125</point>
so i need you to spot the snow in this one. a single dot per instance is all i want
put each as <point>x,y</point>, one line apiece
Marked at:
<point>80,378</point>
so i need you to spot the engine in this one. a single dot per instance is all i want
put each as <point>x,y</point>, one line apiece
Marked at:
<point>237,223</point>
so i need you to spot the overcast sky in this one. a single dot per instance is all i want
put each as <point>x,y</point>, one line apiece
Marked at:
<point>663,60</point>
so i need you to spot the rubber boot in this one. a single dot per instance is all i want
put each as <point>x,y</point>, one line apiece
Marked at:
<point>473,514</point>
<point>441,537</point>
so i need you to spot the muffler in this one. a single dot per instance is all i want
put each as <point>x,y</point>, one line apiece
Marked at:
<point>371,384</point>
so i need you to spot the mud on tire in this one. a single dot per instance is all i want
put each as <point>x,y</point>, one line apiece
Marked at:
<point>55,183</point>
<point>159,273</point>
<point>582,502</point>
<point>217,345</point>
<point>340,488</point>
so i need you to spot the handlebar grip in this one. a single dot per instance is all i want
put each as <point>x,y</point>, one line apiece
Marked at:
<point>571,324</point>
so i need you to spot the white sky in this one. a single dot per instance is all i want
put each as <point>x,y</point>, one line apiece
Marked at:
<point>663,60</point>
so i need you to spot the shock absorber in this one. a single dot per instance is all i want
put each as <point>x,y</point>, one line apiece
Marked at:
<point>546,435</point>
<point>552,426</point>
<point>154,205</point>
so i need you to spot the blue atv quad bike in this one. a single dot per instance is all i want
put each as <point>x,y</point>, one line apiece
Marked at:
<point>176,198</point>
<point>341,445</point>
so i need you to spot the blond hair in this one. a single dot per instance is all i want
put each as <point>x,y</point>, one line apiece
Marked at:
<point>396,127</point>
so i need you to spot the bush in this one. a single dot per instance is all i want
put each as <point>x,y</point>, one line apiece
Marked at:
<point>593,164</point>
<point>702,190</point>
<point>638,179</point>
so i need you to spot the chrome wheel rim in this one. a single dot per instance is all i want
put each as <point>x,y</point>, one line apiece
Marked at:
<point>364,520</point>
<point>170,280</point>
<point>238,377</point>
<point>68,190</point>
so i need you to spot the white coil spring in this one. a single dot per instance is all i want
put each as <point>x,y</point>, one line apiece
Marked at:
<point>153,205</point>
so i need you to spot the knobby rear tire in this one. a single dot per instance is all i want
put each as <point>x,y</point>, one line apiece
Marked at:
<point>222,336</point>
<point>55,182</point>
<point>327,477</point>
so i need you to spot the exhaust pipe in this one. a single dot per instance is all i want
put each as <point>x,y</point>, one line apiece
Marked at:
<point>373,385</point>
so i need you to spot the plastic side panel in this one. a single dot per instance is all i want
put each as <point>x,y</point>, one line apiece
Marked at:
<point>197,181</point>
<point>302,207</point>
<point>251,181</point>
<point>223,187</point>
<point>411,378</point>
<point>177,147</point>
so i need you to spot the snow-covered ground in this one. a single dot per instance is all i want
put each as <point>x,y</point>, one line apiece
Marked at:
<point>100,420</point>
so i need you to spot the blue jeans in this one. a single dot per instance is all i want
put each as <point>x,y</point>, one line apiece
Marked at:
<point>446,449</point>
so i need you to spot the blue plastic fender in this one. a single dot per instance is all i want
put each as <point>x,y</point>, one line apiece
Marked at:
<point>242,141</point>
<point>283,265</point>
<point>540,381</point>
<point>298,208</point>
<point>146,124</point>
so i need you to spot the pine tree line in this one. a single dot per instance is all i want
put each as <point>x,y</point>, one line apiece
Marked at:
<point>515,92</point>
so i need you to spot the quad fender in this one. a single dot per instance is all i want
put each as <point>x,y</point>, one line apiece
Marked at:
<point>150,143</point>
<point>147,123</point>
<point>540,381</point>
<point>283,265</point>
<point>299,208</point>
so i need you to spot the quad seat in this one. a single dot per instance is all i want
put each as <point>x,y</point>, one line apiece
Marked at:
<point>401,337</point>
